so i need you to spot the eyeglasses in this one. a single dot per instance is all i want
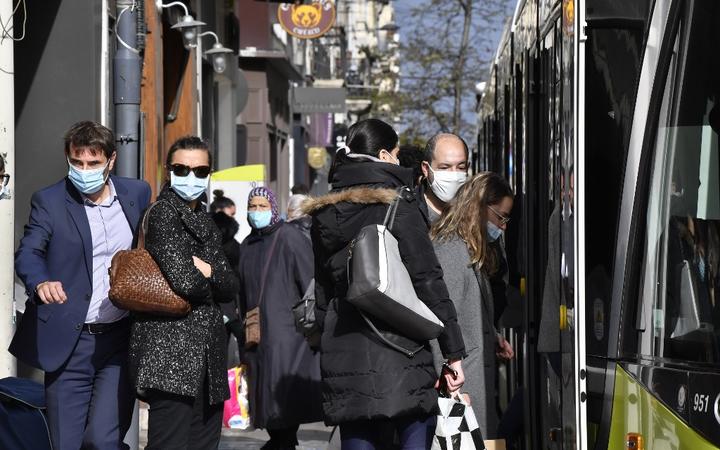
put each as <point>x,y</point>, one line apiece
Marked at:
<point>5,179</point>
<point>181,170</point>
<point>503,219</point>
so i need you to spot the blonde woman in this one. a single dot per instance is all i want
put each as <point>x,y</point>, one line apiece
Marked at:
<point>477,216</point>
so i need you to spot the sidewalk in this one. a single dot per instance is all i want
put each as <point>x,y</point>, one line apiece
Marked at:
<point>312,436</point>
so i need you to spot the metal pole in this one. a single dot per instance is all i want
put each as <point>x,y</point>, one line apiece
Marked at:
<point>7,217</point>
<point>126,97</point>
<point>126,83</point>
<point>291,138</point>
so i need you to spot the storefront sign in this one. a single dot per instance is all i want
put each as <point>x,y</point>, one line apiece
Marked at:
<point>308,100</point>
<point>307,21</point>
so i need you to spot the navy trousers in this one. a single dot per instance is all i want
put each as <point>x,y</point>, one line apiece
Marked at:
<point>89,399</point>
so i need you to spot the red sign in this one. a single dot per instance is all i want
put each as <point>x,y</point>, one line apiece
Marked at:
<point>307,21</point>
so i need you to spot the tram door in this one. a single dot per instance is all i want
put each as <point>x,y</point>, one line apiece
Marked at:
<point>546,159</point>
<point>556,331</point>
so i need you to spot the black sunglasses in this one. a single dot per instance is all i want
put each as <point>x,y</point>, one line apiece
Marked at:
<point>181,170</point>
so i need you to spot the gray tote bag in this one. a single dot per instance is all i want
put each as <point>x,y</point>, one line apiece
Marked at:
<point>380,285</point>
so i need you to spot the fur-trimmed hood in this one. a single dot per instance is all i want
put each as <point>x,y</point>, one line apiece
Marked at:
<point>359,195</point>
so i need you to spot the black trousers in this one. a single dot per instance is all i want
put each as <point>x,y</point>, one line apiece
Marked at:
<point>178,422</point>
<point>282,438</point>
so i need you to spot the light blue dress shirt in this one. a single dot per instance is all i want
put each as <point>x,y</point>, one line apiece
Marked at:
<point>110,232</point>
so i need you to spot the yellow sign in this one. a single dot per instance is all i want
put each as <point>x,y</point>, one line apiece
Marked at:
<point>317,157</point>
<point>569,16</point>
<point>307,21</point>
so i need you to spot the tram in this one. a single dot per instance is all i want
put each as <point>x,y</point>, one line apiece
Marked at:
<point>604,115</point>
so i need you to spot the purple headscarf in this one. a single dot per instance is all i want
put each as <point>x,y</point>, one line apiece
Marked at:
<point>270,196</point>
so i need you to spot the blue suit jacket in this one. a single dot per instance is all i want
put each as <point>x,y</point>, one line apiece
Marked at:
<point>57,246</point>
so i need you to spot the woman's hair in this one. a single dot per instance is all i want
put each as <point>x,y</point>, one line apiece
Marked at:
<point>295,206</point>
<point>466,217</point>
<point>220,202</point>
<point>2,163</point>
<point>189,143</point>
<point>365,138</point>
<point>411,156</point>
<point>227,225</point>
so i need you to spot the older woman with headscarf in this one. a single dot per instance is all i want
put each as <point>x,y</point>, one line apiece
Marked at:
<point>276,267</point>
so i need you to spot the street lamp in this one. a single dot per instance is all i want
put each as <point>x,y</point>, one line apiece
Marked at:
<point>390,27</point>
<point>188,26</point>
<point>218,53</point>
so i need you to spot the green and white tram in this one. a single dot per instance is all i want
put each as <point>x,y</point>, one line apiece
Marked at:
<point>605,115</point>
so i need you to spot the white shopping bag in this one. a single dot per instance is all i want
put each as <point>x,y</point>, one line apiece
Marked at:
<point>457,428</point>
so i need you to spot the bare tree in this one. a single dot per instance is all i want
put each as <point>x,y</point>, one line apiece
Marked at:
<point>447,47</point>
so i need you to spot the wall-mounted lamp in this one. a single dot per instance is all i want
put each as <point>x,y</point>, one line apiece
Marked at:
<point>218,53</point>
<point>188,26</point>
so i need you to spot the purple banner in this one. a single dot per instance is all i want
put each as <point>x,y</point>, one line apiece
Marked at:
<point>321,127</point>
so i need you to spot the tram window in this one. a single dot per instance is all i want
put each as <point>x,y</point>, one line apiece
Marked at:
<point>681,281</point>
<point>613,65</point>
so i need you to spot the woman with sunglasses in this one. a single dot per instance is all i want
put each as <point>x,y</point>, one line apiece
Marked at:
<point>178,364</point>
<point>463,238</point>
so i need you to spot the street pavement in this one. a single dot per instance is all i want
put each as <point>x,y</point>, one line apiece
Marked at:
<point>314,436</point>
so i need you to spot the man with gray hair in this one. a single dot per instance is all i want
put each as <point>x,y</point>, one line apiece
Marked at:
<point>444,168</point>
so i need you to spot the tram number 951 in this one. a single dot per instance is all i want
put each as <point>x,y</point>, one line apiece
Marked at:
<point>701,402</point>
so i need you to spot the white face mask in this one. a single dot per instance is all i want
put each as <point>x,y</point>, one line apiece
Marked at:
<point>446,183</point>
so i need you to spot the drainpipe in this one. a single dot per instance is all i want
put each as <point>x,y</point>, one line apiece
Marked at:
<point>126,97</point>
<point>126,83</point>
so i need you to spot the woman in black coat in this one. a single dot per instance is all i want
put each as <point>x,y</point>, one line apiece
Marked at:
<point>178,364</point>
<point>229,227</point>
<point>284,372</point>
<point>369,389</point>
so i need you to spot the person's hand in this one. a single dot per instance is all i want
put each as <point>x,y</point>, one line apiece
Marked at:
<point>454,383</point>
<point>202,266</point>
<point>504,349</point>
<point>51,292</point>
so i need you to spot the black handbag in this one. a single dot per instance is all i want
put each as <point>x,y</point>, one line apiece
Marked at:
<point>380,285</point>
<point>304,314</point>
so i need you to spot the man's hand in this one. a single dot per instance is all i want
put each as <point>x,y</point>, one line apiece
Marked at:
<point>51,292</point>
<point>203,267</point>
<point>504,349</point>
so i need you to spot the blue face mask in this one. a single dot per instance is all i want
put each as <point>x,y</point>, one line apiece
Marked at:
<point>189,187</point>
<point>87,181</point>
<point>494,232</point>
<point>259,219</point>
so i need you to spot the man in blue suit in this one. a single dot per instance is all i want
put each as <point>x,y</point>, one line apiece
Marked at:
<point>70,328</point>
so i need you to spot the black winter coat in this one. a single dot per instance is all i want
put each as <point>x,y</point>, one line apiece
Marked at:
<point>284,372</point>
<point>175,354</point>
<point>363,379</point>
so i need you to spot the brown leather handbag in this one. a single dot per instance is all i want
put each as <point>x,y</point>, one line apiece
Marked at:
<point>138,285</point>
<point>252,317</point>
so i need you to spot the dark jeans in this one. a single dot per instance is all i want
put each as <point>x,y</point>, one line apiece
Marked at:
<point>178,422</point>
<point>414,434</point>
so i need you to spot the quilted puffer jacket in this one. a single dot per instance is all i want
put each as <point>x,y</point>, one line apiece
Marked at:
<point>363,378</point>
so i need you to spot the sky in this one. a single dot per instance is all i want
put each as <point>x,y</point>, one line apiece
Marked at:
<point>487,46</point>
